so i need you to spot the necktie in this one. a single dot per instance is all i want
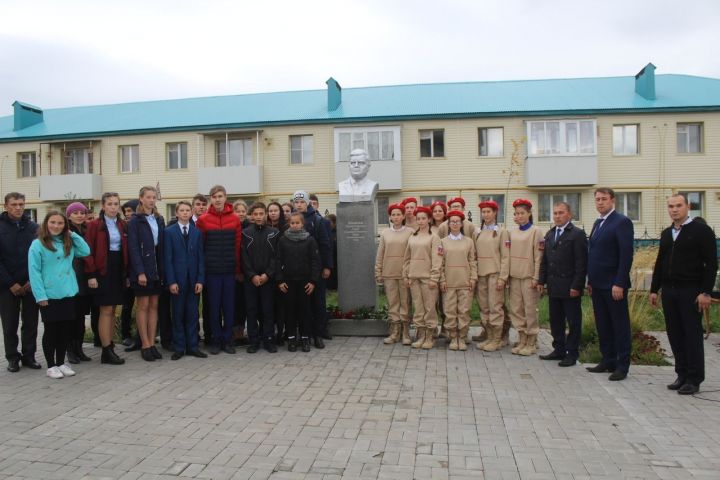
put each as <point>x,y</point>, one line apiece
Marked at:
<point>558,232</point>
<point>596,226</point>
<point>185,234</point>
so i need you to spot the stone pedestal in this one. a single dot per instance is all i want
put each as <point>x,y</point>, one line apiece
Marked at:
<point>356,243</point>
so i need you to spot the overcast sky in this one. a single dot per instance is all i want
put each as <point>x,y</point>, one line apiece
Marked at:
<point>76,52</point>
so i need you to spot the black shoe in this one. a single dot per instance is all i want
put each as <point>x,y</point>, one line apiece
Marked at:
<point>156,353</point>
<point>110,357</point>
<point>319,342</point>
<point>270,347</point>
<point>13,365</point>
<point>617,375</point>
<point>214,349</point>
<point>552,356</point>
<point>326,336</point>
<point>688,389</point>
<point>229,349</point>
<point>599,368</point>
<point>292,345</point>
<point>241,342</point>
<point>253,348</point>
<point>30,363</point>
<point>71,355</point>
<point>177,355</point>
<point>79,352</point>
<point>128,342</point>
<point>134,347</point>
<point>147,355</point>
<point>306,345</point>
<point>567,362</point>
<point>197,353</point>
<point>679,382</point>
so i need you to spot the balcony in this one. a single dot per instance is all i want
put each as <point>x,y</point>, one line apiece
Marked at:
<point>561,171</point>
<point>80,186</point>
<point>237,180</point>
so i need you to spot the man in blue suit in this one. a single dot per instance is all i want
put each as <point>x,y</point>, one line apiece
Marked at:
<point>610,256</point>
<point>185,276</point>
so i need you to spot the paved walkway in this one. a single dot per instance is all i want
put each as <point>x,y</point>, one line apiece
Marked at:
<point>357,409</point>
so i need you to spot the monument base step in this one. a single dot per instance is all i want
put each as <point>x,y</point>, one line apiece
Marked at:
<point>348,327</point>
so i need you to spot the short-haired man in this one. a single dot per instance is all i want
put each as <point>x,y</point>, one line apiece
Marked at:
<point>562,273</point>
<point>685,270</point>
<point>199,206</point>
<point>610,257</point>
<point>17,231</point>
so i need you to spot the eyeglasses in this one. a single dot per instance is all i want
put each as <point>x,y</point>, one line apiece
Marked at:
<point>455,222</point>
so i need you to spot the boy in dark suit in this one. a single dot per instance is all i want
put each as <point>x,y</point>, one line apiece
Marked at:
<point>610,257</point>
<point>184,275</point>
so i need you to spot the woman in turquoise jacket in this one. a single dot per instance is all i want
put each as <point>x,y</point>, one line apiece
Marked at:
<point>54,285</point>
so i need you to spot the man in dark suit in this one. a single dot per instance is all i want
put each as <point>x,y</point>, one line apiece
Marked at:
<point>562,274</point>
<point>184,276</point>
<point>685,269</point>
<point>610,256</point>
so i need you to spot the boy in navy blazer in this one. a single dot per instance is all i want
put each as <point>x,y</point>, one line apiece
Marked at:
<point>184,276</point>
<point>610,257</point>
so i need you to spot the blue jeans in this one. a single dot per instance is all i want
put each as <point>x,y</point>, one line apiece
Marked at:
<point>221,297</point>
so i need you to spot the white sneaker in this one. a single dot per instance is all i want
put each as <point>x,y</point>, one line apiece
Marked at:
<point>66,370</point>
<point>54,372</point>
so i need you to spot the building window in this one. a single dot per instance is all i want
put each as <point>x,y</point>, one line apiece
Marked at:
<point>381,143</point>
<point>432,143</point>
<point>625,139</point>
<point>170,211</point>
<point>427,200</point>
<point>689,137</point>
<point>301,149</point>
<point>240,153</point>
<point>32,212</point>
<point>491,142</point>
<point>78,160</point>
<point>383,202</point>
<point>176,156</point>
<point>561,138</point>
<point>628,203</point>
<point>129,158</point>
<point>500,200</point>
<point>28,164</point>
<point>547,200</point>
<point>696,201</point>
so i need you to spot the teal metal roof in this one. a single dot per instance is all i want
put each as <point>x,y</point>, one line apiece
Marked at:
<point>388,103</point>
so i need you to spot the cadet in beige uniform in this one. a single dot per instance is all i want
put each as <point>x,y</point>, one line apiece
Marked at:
<point>493,269</point>
<point>389,270</point>
<point>410,204</point>
<point>438,210</point>
<point>421,271</point>
<point>526,248</point>
<point>458,204</point>
<point>458,277</point>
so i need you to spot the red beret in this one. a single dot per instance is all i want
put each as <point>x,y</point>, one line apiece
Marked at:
<point>522,202</point>
<point>459,200</point>
<point>489,204</point>
<point>395,206</point>
<point>425,210</point>
<point>409,200</point>
<point>441,204</point>
<point>456,213</point>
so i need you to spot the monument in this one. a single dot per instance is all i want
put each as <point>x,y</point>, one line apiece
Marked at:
<point>357,247</point>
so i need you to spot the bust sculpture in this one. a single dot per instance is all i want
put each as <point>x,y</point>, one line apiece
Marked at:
<point>358,187</point>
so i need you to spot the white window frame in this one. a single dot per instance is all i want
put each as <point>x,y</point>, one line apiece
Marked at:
<point>683,129</point>
<point>247,156</point>
<point>358,139</point>
<point>181,150</point>
<point>81,165</point>
<point>170,211</point>
<point>497,197</point>
<point>487,131</point>
<point>306,150</point>
<point>430,135</point>
<point>428,200</point>
<point>564,126</point>
<point>383,202</point>
<point>624,134</point>
<point>622,201</point>
<point>32,213</point>
<point>133,158</point>
<point>695,197</point>
<point>29,160</point>
<point>552,198</point>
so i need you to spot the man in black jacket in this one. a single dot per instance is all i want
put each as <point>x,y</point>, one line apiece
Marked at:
<point>562,273</point>
<point>685,270</point>
<point>17,231</point>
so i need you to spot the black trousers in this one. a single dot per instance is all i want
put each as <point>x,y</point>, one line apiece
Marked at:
<point>257,300</point>
<point>685,332</point>
<point>564,310</point>
<point>126,315</point>
<point>298,306</point>
<point>12,309</point>
<point>82,308</point>
<point>612,320</point>
<point>58,319</point>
